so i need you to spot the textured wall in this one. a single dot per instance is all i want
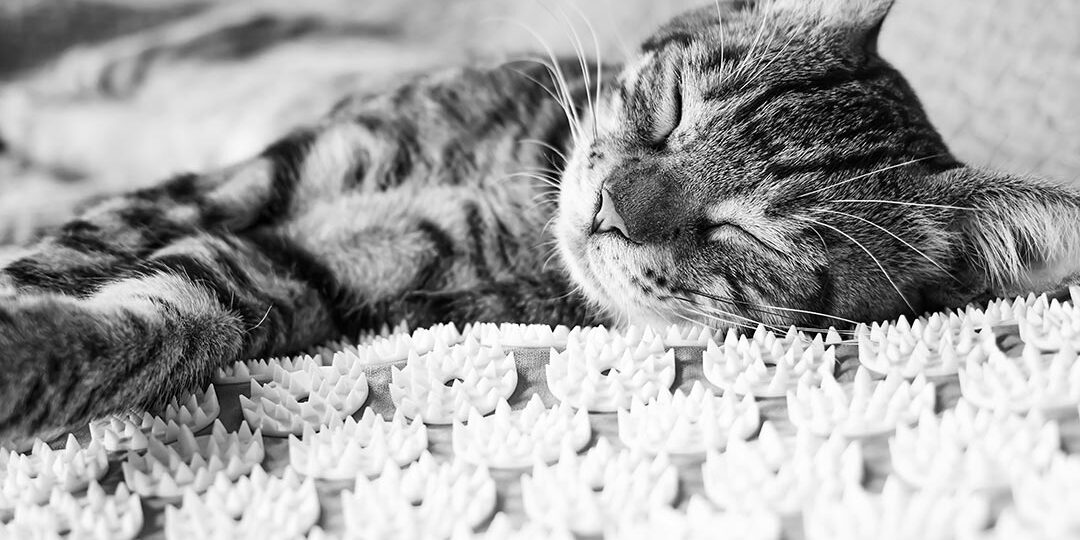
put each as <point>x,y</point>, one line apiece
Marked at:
<point>1000,78</point>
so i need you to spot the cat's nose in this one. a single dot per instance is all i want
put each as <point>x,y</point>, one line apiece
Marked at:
<point>607,218</point>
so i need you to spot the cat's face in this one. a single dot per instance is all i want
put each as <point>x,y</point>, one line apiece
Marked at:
<point>761,169</point>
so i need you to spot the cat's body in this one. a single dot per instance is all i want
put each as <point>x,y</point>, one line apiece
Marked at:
<point>768,169</point>
<point>426,204</point>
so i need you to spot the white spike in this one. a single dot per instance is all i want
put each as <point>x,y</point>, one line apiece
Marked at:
<point>687,423</point>
<point>863,409</point>
<point>424,501</point>
<point>517,439</point>
<point>420,389</point>
<point>587,493</point>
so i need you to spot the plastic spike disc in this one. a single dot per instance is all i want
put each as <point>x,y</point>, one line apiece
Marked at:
<point>865,408</point>
<point>586,494</point>
<point>271,507</point>
<point>443,386</point>
<point>895,513</point>
<point>31,478</point>
<point>261,371</point>
<point>94,515</point>
<point>1046,382</point>
<point>688,423</point>
<point>348,448</point>
<point>275,411</point>
<point>749,367</point>
<point>193,462</point>
<point>425,500</point>
<point>684,335</point>
<point>520,336</point>
<point>1055,327</point>
<point>1049,500</point>
<point>765,474</point>
<point>935,346</point>
<point>130,431</point>
<point>604,382</point>
<point>510,440</point>
<point>972,449</point>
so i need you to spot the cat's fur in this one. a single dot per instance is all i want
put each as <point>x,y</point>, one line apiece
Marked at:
<point>767,168</point>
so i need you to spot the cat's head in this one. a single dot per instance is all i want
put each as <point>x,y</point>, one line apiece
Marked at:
<point>761,162</point>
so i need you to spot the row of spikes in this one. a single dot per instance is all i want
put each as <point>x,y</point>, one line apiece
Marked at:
<point>864,408</point>
<point>749,475</point>
<point>163,471</point>
<point>345,450</point>
<point>586,493</point>
<point>606,384</point>
<point>131,430</point>
<point>426,500</point>
<point>508,439</point>
<point>1034,381</point>
<point>973,449</point>
<point>688,423</point>
<point>94,515</point>
<point>281,508</point>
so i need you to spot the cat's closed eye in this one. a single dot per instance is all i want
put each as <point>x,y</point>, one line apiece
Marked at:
<point>669,112</point>
<point>727,231</point>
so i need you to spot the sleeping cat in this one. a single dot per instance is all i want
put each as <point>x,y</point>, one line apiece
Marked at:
<point>756,163</point>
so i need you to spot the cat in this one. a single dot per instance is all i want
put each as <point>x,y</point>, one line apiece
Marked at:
<point>758,162</point>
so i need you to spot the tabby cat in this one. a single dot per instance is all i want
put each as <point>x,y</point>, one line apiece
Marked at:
<point>757,162</point>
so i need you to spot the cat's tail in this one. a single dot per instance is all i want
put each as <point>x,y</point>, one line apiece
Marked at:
<point>141,298</point>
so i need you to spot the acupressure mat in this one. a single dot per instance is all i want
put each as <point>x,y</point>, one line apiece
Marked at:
<point>957,425</point>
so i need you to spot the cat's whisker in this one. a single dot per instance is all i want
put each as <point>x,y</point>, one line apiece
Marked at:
<point>558,77</point>
<point>553,182</point>
<point>547,261</point>
<point>906,203</point>
<point>538,202</point>
<point>759,71</point>
<point>716,309</point>
<point>555,173</point>
<point>700,310</point>
<point>599,64</point>
<point>544,229</point>
<point>871,173</point>
<point>868,252</point>
<point>720,24</point>
<point>778,308</point>
<point>576,289</point>
<point>579,52</point>
<point>752,50</point>
<point>747,306</point>
<point>901,240</point>
<point>547,146</point>
<point>557,95</point>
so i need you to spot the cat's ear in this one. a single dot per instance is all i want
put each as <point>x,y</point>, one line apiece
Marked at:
<point>863,18</point>
<point>1018,235</point>
<point>698,21</point>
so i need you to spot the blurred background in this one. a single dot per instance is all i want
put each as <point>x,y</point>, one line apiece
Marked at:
<point>98,96</point>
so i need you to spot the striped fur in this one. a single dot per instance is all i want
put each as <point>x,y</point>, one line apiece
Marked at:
<point>761,163</point>
<point>416,204</point>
